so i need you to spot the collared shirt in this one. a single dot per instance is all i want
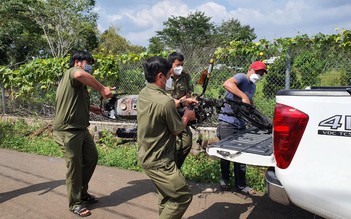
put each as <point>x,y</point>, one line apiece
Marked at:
<point>157,119</point>
<point>72,103</point>
<point>246,86</point>
<point>181,86</point>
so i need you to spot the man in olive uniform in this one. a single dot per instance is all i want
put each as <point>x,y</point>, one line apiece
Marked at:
<point>70,129</point>
<point>158,125</point>
<point>181,87</point>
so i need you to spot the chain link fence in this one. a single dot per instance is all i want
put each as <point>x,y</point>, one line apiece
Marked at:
<point>296,67</point>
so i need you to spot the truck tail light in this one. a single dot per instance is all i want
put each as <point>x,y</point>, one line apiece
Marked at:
<point>289,125</point>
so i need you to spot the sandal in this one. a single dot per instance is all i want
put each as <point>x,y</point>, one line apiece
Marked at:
<point>89,199</point>
<point>81,211</point>
<point>248,190</point>
<point>224,185</point>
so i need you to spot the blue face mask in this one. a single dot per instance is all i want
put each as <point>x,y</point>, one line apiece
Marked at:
<point>88,68</point>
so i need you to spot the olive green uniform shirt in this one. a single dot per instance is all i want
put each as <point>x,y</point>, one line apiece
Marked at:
<point>157,119</point>
<point>72,103</point>
<point>181,86</point>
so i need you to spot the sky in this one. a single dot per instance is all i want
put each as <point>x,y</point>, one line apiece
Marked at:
<point>138,20</point>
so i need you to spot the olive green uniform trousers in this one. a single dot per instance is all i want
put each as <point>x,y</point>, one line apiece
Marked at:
<point>81,158</point>
<point>183,146</point>
<point>173,191</point>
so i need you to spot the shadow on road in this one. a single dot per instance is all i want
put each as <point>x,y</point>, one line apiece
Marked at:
<point>45,186</point>
<point>222,210</point>
<point>134,190</point>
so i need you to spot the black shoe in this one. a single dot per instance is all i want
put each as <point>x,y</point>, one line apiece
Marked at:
<point>224,185</point>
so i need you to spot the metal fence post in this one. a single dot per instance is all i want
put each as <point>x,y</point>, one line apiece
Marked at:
<point>288,69</point>
<point>3,99</point>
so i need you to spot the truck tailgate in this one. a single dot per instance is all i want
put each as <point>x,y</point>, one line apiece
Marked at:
<point>251,146</point>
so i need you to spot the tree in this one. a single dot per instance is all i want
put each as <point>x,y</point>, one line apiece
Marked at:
<point>40,28</point>
<point>197,31</point>
<point>66,24</point>
<point>156,45</point>
<point>197,37</point>
<point>192,35</point>
<point>113,43</point>
<point>231,30</point>
<point>20,36</point>
<point>187,33</point>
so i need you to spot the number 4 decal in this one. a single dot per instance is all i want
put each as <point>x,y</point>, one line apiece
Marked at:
<point>333,122</point>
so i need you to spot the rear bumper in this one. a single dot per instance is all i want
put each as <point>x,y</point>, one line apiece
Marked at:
<point>274,188</point>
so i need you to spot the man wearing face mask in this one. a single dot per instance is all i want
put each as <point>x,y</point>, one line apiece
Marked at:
<point>180,86</point>
<point>158,125</point>
<point>70,129</point>
<point>240,86</point>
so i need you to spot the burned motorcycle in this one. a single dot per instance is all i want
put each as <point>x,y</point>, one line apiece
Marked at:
<point>123,108</point>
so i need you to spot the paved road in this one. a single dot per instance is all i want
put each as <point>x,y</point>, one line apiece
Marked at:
<point>33,187</point>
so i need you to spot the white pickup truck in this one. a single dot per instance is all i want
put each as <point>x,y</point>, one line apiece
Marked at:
<point>308,151</point>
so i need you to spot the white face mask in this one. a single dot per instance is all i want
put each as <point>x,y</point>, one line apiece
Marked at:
<point>178,70</point>
<point>254,78</point>
<point>169,83</point>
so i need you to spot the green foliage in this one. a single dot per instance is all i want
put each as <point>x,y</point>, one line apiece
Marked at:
<point>39,76</point>
<point>6,129</point>
<point>133,80</point>
<point>277,78</point>
<point>255,176</point>
<point>108,71</point>
<point>184,33</point>
<point>67,25</point>
<point>36,28</point>
<point>37,81</point>
<point>111,43</point>
<point>265,105</point>
<point>107,139</point>
<point>240,55</point>
<point>114,152</point>
<point>34,83</point>
<point>15,136</point>
<point>6,77</point>
<point>106,68</point>
<point>43,145</point>
<point>308,67</point>
<point>200,168</point>
<point>232,30</point>
<point>122,156</point>
<point>196,37</point>
<point>334,78</point>
<point>20,36</point>
<point>156,45</point>
<point>299,62</point>
<point>196,32</point>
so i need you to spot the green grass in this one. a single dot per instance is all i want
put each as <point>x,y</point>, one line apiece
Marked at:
<point>115,153</point>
